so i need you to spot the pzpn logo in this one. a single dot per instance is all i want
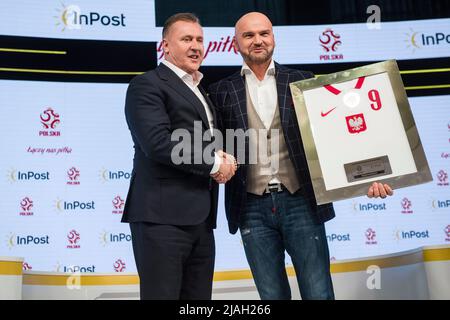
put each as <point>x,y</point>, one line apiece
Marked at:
<point>73,174</point>
<point>49,120</point>
<point>26,205</point>
<point>442,178</point>
<point>406,205</point>
<point>119,265</point>
<point>370,236</point>
<point>73,237</point>
<point>330,41</point>
<point>118,204</point>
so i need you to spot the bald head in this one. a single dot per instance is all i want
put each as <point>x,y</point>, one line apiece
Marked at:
<point>254,38</point>
<point>252,18</point>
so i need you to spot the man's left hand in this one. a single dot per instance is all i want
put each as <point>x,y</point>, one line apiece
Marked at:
<point>379,190</point>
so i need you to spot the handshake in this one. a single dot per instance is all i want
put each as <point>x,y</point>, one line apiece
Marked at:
<point>227,168</point>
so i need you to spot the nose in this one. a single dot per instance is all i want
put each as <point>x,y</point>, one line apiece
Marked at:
<point>196,45</point>
<point>257,40</point>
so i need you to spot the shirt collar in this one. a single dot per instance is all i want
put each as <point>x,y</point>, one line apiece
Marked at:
<point>183,74</point>
<point>270,70</point>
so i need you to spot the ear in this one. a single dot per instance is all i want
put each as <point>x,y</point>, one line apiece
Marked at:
<point>165,46</point>
<point>235,44</point>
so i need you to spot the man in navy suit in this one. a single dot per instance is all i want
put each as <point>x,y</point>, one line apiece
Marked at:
<point>172,200</point>
<point>273,206</point>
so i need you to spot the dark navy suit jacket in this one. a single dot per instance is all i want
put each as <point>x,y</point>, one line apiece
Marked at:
<point>157,103</point>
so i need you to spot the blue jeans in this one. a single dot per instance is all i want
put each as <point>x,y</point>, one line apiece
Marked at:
<point>277,222</point>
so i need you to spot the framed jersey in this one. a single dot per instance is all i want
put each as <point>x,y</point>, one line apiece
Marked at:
<point>357,127</point>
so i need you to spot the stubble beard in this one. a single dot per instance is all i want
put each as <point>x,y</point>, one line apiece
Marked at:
<point>260,59</point>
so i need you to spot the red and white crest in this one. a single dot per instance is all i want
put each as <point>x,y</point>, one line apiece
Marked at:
<point>356,123</point>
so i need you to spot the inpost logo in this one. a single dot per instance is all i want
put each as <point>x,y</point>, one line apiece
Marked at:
<point>74,268</point>
<point>68,206</point>
<point>107,238</point>
<point>73,17</point>
<point>369,207</point>
<point>106,175</point>
<point>338,237</point>
<point>14,175</point>
<point>14,240</point>
<point>419,40</point>
<point>437,204</point>
<point>411,234</point>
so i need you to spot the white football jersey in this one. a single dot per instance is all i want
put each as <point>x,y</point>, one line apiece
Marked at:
<point>357,120</point>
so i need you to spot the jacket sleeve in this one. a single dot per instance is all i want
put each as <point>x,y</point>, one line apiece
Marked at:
<point>150,125</point>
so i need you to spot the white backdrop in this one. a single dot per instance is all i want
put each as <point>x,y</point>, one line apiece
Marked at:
<point>67,153</point>
<point>94,140</point>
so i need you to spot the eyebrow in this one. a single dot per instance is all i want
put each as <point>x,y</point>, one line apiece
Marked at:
<point>191,36</point>
<point>247,33</point>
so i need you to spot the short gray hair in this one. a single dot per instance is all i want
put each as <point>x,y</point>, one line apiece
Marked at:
<point>184,16</point>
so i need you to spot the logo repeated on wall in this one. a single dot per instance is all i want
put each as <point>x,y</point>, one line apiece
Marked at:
<point>439,204</point>
<point>118,204</point>
<point>73,175</point>
<point>26,266</point>
<point>338,237</point>
<point>74,206</point>
<point>371,237</point>
<point>26,206</point>
<point>411,234</point>
<point>73,237</point>
<point>107,238</point>
<point>13,240</point>
<point>50,120</point>
<point>406,206</point>
<point>73,18</point>
<point>119,265</point>
<point>330,41</point>
<point>14,175</point>
<point>418,40</point>
<point>447,233</point>
<point>74,268</point>
<point>369,207</point>
<point>442,178</point>
<point>106,175</point>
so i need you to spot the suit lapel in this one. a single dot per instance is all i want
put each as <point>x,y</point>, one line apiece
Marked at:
<point>179,86</point>
<point>210,104</point>
<point>284,94</point>
<point>236,88</point>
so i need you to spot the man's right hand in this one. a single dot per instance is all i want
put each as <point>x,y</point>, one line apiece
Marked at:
<point>227,169</point>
